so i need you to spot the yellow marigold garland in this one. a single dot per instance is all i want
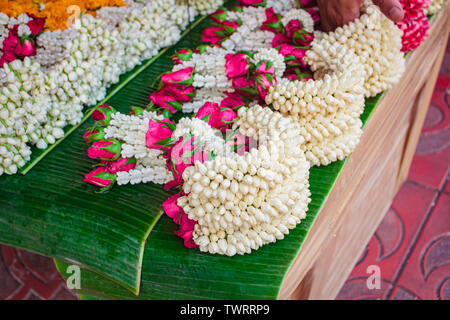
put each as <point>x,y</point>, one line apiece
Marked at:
<point>55,11</point>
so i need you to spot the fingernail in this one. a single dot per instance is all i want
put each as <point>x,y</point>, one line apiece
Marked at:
<point>395,13</point>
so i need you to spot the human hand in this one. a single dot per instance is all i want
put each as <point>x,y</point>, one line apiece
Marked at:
<point>336,13</point>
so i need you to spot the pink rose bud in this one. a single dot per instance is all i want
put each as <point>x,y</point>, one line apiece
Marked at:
<point>265,66</point>
<point>273,22</point>
<point>137,111</point>
<point>230,27</point>
<point>172,209</point>
<point>26,49</point>
<point>180,79</point>
<point>254,3</point>
<point>184,153</point>
<point>214,35</point>
<point>236,65</point>
<point>219,15</point>
<point>279,39</point>
<point>209,112</point>
<point>100,178</point>
<point>164,99</point>
<point>123,164</point>
<point>108,150</point>
<point>245,86</point>
<point>182,55</point>
<point>186,231</point>
<point>94,134</point>
<point>263,83</point>
<point>307,3</point>
<point>159,133</point>
<point>233,101</point>
<point>36,24</point>
<point>292,56</point>
<point>296,73</point>
<point>181,95</point>
<point>102,114</point>
<point>314,14</point>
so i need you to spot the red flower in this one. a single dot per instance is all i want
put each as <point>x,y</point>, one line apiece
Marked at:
<point>233,101</point>
<point>179,79</point>
<point>123,164</point>
<point>165,99</point>
<point>214,35</point>
<point>414,24</point>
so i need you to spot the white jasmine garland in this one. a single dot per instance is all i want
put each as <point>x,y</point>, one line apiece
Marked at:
<point>376,40</point>
<point>434,7</point>
<point>131,131</point>
<point>244,202</point>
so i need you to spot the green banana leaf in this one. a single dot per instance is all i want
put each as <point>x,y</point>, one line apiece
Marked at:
<point>171,271</point>
<point>122,237</point>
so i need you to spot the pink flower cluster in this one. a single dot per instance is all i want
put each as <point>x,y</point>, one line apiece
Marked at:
<point>176,89</point>
<point>222,28</point>
<point>292,41</point>
<point>414,24</point>
<point>16,47</point>
<point>105,150</point>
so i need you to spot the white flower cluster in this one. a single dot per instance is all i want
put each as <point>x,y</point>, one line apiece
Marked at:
<point>434,7</point>
<point>203,6</point>
<point>244,202</point>
<point>327,108</point>
<point>248,36</point>
<point>377,41</point>
<point>131,131</point>
<point>210,79</point>
<point>38,101</point>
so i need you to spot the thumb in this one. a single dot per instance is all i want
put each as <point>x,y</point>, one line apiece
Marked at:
<point>391,9</point>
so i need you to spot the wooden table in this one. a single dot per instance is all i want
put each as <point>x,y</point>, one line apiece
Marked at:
<point>371,177</point>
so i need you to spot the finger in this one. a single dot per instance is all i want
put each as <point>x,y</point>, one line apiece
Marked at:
<point>391,9</point>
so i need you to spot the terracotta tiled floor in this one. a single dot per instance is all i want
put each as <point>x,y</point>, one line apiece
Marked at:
<point>411,246</point>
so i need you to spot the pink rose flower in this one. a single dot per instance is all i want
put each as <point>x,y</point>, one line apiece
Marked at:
<point>102,114</point>
<point>296,73</point>
<point>123,164</point>
<point>265,67</point>
<point>177,214</point>
<point>254,3</point>
<point>186,231</point>
<point>164,99</point>
<point>414,24</point>
<point>159,133</point>
<point>233,101</point>
<point>92,135</point>
<point>108,149</point>
<point>184,153</point>
<point>172,209</point>
<point>279,39</point>
<point>263,83</point>
<point>184,54</point>
<point>219,15</point>
<point>273,22</point>
<point>179,79</point>
<point>214,35</point>
<point>36,25</point>
<point>217,117</point>
<point>181,94</point>
<point>245,86</point>
<point>100,178</point>
<point>236,65</point>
